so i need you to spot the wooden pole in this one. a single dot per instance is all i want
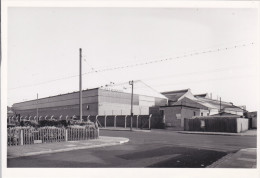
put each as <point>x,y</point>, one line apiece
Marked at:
<point>80,84</point>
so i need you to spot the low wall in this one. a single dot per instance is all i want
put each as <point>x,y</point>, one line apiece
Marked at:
<point>216,124</point>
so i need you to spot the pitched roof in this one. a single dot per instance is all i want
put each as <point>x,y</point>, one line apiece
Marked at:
<point>175,95</point>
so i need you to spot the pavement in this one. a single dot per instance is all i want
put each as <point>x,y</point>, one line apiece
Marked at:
<point>244,158</point>
<point>38,149</point>
<point>124,129</point>
<point>246,133</point>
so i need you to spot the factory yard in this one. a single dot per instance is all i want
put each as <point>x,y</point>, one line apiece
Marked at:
<point>157,148</point>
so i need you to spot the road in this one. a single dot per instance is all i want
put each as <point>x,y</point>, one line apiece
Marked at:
<point>158,148</point>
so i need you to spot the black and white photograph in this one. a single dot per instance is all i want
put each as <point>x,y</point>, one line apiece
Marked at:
<point>131,87</point>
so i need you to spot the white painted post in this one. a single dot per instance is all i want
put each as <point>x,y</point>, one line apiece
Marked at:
<point>21,137</point>
<point>60,117</point>
<point>34,117</point>
<point>21,118</point>
<point>30,117</point>
<point>67,117</point>
<point>45,117</point>
<point>125,120</point>
<point>66,135</point>
<point>88,118</point>
<point>52,117</point>
<point>105,121</point>
<point>115,121</point>
<point>150,121</point>
<point>40,117</point>
<point>137,117</point>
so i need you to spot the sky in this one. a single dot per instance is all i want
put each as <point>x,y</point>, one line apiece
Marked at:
<point>43,50</point>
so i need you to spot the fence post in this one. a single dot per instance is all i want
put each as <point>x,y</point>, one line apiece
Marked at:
<point>115,121</point>
<point>66,135</point>
<point>137,117</point>
<point>150,116</point>
<point>105,121</point>
<point>21,137</point>
<point>125,120</point>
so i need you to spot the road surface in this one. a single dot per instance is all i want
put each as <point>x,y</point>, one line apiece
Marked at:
<point>158,148</point>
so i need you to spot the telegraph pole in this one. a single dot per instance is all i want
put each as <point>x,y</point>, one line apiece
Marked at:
<point>80,84</point>
<point>132,83</point>
<point>37,110</point>
<point>220,105</point>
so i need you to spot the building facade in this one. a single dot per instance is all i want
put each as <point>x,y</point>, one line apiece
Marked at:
<point>97,101</point>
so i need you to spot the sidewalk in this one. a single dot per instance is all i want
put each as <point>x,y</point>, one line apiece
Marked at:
<point>247,133</point>
<point>37,149</point>
<point>244,158</point>
<point>124,129</point>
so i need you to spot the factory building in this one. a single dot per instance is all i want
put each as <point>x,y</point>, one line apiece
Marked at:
<point>96,101</point>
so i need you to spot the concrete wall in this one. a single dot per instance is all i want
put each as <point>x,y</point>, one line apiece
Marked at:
<point>242,125</point>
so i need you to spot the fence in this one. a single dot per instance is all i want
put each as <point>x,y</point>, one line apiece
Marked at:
<point>30,135</point>
<point>138,121</point>
<point>216,124</point>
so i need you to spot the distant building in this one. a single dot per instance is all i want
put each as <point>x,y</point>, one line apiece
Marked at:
<point>96,101</point>
<point>252,116</point>
<point>183,104</point>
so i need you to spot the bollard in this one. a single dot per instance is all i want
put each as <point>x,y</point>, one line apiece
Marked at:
<point>137,117</point>
<point>115,121</point>
<point>150,116</point>
<point>105,121</point>
<point>125,120</point>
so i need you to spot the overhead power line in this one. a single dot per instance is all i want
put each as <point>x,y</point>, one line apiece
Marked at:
<point>142,63</point>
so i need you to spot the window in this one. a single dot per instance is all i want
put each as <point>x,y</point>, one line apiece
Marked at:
<point>202,114</point>
<point>194,113</point>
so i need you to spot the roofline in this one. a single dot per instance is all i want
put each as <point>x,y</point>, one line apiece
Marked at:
<point>55,96</point>
<point>175,91</point>
<point>179,106</point>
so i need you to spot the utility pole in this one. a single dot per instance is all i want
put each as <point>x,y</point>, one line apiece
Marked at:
<point>80,85</point>
<point>131,83</point>
<point>37,109</point>
<point>220,105</point>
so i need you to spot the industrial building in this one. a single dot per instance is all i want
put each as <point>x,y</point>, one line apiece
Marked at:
<point>182,104</point>
<point>96,101</point>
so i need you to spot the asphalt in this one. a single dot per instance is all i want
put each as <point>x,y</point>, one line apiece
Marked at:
<point>243,158</point>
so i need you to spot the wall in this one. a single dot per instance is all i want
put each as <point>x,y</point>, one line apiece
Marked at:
<point>170,116</point>
<point>174,116</point>
<point>88,96</point>
<point>254,122</point>
<point>216,124</point>
<point>242,125</point>
<point>119,103</point>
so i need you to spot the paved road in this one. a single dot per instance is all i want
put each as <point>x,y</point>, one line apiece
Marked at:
<point>157,148</point>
